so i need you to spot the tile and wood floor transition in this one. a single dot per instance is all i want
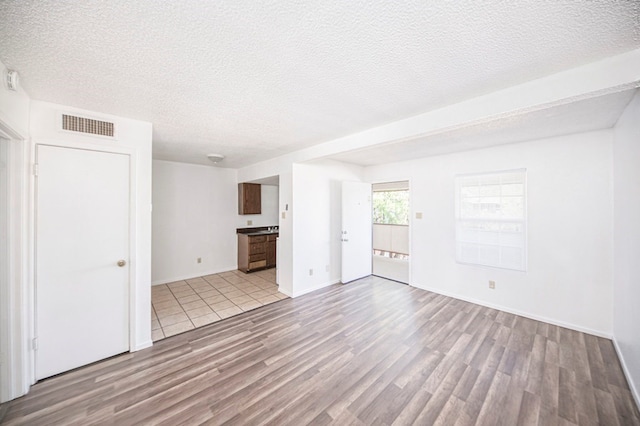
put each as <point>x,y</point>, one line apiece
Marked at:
<point>369,352</point>
<point>184,305</point>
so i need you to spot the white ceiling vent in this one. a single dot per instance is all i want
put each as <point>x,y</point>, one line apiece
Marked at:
<point>88,125</point>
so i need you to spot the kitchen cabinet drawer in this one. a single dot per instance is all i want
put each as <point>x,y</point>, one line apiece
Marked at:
<point>256,252</point>
<point>257,257</point>
<point>257,248</point>
<point>258,264</point>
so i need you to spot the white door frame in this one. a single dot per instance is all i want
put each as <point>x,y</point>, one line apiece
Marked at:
<point>28,315</point>
<point>15,375</point>
<point>17,370</point>
<point>124,342</point>
<point>411,218</point>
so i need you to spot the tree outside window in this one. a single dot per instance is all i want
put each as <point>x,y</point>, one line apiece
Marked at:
<point>391,207</point>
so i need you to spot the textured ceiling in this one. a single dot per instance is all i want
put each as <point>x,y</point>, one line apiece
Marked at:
<point>256,79</point>
<point>582,116</point>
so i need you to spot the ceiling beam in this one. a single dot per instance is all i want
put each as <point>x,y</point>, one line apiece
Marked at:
<point>611,75</point>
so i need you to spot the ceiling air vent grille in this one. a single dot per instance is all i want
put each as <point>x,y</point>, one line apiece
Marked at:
<point>87,125</point>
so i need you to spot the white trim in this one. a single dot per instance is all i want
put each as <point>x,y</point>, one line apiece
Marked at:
<point>86,145</point>
<point>518,312</point>
<point>30,311</point>
<point>411,231</point>
<point>14,376</point>
<point>142,345</point>
<point>133,284</point>
<point>11,131</point>
<point>133,300</point>
<point>6,368</point>
<point>284,291</point>
<point>311,289</point>
<point>625,369</point>
<point>191,276</point>
<point>411,223</point>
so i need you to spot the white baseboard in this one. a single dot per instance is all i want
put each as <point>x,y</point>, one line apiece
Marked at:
<point>143,345</point>
<point>632,385</point>
<point>314,288</point>
<point>570,326</point>
<point>194,275</point>
<point>285,291</point>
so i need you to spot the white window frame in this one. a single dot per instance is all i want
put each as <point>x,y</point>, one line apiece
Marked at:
<point>503,240</point>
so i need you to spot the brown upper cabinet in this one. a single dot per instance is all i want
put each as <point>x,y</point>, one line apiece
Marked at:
<point>249,198</point>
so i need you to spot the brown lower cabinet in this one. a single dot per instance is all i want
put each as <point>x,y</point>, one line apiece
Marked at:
<point>256,252</point>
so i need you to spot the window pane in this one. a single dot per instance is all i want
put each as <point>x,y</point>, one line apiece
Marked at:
<point>512,207</point>
<point>391,207</point>
<point>491,228</point>
<point>512,189</point>
<point>470,191</point>
<point>491,189</point>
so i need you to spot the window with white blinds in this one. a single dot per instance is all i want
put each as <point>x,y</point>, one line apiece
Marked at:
<point>491,219</point>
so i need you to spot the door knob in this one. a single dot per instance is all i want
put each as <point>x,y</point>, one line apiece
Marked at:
<point>121,263</point>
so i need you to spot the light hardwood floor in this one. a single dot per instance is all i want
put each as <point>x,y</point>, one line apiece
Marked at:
<point>369,352</point>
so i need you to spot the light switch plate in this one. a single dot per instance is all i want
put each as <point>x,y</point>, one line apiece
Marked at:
<point>418,215</point>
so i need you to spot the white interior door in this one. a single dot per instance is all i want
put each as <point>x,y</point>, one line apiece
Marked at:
<point>82,240</point>
<point>356,230</point>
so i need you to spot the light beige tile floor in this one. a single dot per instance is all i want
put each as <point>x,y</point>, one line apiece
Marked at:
<point>184,305</point>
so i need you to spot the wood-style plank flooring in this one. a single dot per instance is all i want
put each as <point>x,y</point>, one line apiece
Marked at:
<point>365,353</point>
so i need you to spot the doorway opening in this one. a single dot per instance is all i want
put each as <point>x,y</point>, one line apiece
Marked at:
<point>14,368</point>
<point>391,230</point>
<point>4,264</point>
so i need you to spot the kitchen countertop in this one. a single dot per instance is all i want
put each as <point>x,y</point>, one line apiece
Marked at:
<point>261,230</point>
<point>262,233</point>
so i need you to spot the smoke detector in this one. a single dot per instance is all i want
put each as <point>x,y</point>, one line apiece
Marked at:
<point>215,158</point>
<point>11,78</point>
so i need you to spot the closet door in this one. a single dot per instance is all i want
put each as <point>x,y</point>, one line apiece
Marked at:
<point>82,257</point>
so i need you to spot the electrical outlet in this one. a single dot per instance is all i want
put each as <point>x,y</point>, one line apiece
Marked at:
<point>418,215</point>
<point>310,271</point>
<point>249,222</point>
<point>199,260</point>
<point>284,215</point>
<point>492,285</point>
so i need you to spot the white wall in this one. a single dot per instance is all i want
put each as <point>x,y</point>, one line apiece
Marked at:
<point>317,193</point>
<point>285,235</point>
<point>309,200</point>
<point>568,281</point>
<point>14,106</point>
<point>195,211</point>
<point>269,215</point>
<point>626,228</point>
<point>135,136</point>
